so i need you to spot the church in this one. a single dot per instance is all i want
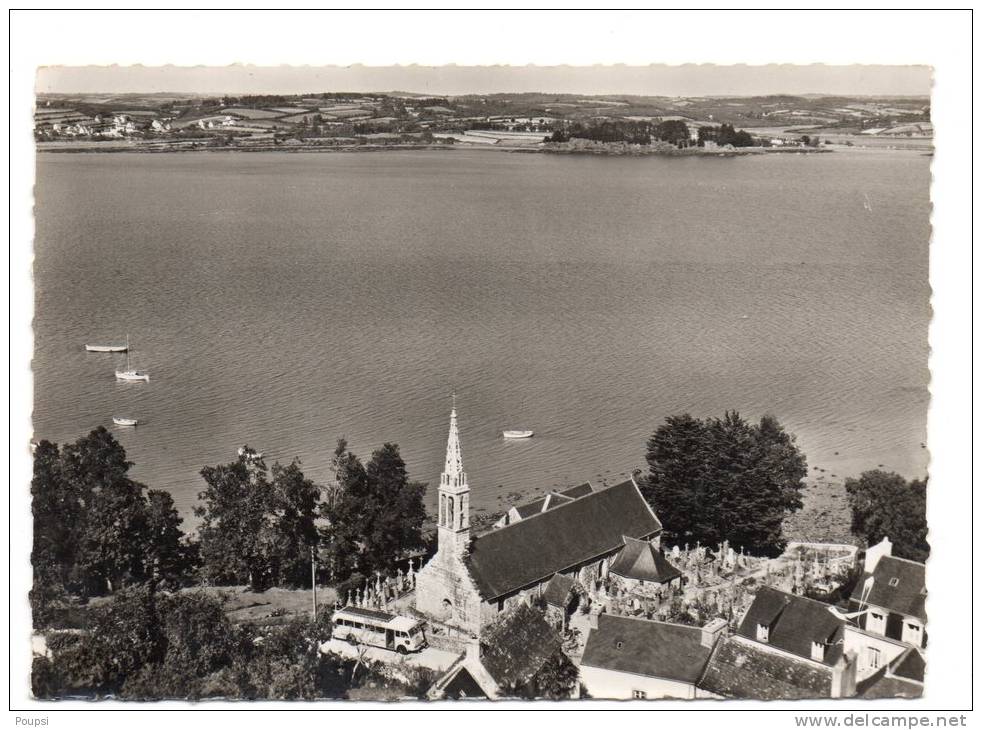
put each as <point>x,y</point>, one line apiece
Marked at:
<point>578,534</point>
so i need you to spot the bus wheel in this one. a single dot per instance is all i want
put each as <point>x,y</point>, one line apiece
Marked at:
<point>350,638</point>
<point>400,649</point>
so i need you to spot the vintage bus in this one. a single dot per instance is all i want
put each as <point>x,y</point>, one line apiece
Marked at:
<point>377,628</point>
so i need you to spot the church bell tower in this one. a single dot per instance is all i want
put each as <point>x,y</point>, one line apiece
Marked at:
<point>454,508</point>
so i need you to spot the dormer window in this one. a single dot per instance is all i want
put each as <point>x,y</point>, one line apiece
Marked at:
<point>818,651</point>
<point>763,633</point>
<point>876,623</point>
<point>912,633</point>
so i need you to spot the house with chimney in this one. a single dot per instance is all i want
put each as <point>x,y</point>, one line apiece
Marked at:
<point>786,647</point>
<point>887,615</point>
<point>472,579</point>
<point>629,658</point>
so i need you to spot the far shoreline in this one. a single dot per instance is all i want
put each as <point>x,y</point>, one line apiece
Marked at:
<point>639,151</point>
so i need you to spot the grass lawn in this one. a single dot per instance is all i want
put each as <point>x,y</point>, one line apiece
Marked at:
<point>278,604</point>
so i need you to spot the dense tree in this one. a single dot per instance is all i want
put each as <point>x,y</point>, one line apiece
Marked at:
<point>724,479</point>
<point>725,134</point>
<point>885,504</point>
<point>257,526</point>
<point>556,679</point>
<point>95,529</point>
<point>169,558</point>
<point>58,509</point>
<point>673,130</point>
<point>377,514</point>
<point>296,503</point>
<point>236,510</point>
<point>116,542</point>
<point>150,645</point>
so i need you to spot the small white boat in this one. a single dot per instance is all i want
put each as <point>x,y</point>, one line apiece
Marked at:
<point>130,374</point>
<point>518,434</point>
<point>133,375</point>
<point>106,348</point>
<point>120,421</point>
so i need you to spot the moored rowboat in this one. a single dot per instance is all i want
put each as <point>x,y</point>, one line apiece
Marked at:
<point>517,434</point>
<point>106,348</point>
<point>120,421</point>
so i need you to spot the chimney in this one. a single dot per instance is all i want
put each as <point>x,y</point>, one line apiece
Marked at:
<point>875,552</point>
<point>473,649</point>
<point>844,676</point>
<point>818,651</point>
<point>711,632</point>
<point>594,619</point>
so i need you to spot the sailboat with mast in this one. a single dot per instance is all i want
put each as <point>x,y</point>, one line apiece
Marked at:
<point>130,374</point>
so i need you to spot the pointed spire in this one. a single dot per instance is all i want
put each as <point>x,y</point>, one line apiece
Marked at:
<point>453,470</point>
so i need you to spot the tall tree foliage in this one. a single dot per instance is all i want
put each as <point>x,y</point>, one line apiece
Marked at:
<point>885,504</point>
<point>257,525</point>
<point>95,529</point>
<point>724,479</point>
<point>377,514</point>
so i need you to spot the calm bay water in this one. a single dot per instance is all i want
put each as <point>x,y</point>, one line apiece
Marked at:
<point>283,300</point>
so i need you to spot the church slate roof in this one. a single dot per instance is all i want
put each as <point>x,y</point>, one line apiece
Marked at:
<point>543,504</point>
<point>648,648</point>
<point>742,669</point>
<point>529,551</point>
<point>640,560</point>
<point>906,597</point>
<point>794,623</point>
<point>553,499</point>
<point>580,490</point>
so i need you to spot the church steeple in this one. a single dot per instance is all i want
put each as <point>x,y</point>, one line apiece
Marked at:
<point>453,471</point>
<point>454,497</point>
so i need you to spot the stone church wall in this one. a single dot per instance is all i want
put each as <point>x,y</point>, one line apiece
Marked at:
<point>446,591</point>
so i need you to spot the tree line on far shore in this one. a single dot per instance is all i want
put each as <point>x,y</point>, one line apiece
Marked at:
<point>672,131</point>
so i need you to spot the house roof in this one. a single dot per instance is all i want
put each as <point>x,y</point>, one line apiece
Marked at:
<point>909,665</point>
<point>648,648</point>
<point>516,647</point>
<point>744,669</point>
<point>881,686</point>
<point>794,623</point>
<point>640,560</point>
<point>531,550</point>
<point>557,590</point>
<point>903,677</point>
<point>898,586</point>
<point>462,685</point>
